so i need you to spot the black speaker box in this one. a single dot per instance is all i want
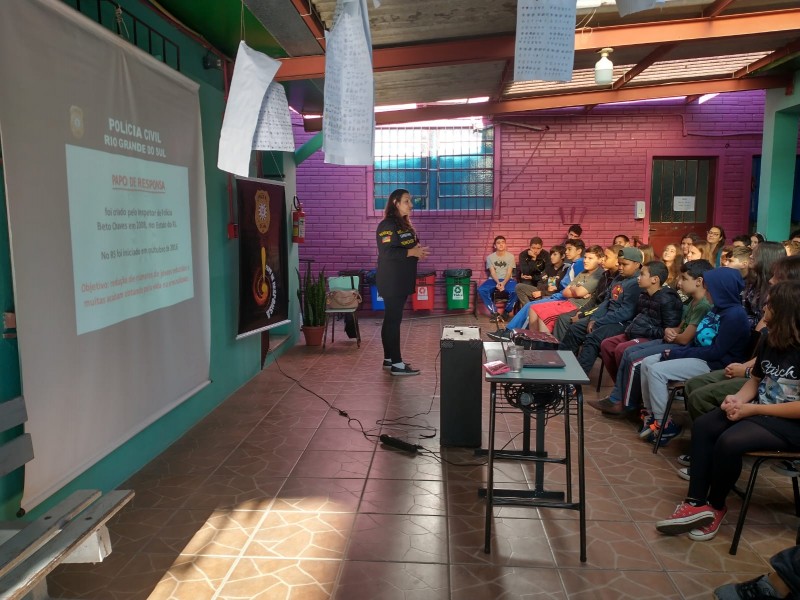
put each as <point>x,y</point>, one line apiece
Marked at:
<point>460,365</point>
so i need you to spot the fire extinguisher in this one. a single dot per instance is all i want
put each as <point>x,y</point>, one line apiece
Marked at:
<point>298,222</point>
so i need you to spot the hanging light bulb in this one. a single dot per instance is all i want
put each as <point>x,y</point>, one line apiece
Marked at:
<point>604,68</point>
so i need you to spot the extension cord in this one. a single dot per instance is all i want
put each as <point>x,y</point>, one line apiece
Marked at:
<point>396,443</point>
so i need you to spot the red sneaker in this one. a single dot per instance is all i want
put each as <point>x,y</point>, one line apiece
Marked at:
<point>707,532</point>
<point>685,518</point>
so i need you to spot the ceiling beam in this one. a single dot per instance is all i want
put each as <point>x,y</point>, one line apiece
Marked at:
<point>501,47</point>
<point>627,94</point>
<point>310,18</point>
<point>648,60</point>
<point>781,53</point>
<point>716,8</point>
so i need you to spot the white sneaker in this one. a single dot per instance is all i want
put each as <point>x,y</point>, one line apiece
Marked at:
<point>683,473</point>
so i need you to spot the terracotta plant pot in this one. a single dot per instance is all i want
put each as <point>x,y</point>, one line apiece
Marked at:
<point>313,335</point>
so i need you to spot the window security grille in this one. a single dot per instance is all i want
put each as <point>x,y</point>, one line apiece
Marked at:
<point>444,168</point>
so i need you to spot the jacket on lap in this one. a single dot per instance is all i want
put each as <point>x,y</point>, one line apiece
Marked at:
<point>619,305</point>
<point>655,313</point>
<point>728,319</point>
<point>599,294</point>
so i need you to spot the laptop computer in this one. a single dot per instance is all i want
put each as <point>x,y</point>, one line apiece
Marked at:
<point>537,359</point>
<point>541,359</point>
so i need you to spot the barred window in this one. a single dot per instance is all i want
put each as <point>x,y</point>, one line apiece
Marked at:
<point>444,168</point>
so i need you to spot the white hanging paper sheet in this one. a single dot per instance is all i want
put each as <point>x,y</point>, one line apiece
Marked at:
<point>545,42</point>
<point>274,127</point>
<point>251,76</point>
<point>626,7</point>
<point>348,120</point>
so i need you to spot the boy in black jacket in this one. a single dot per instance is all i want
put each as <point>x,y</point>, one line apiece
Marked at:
<point>612,316</point>
<point>659,307</point>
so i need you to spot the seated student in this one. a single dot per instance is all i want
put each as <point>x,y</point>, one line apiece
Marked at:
<point>554,272</point>
<point>659,307</point>
<point>700,250</point>
<point>610,264</point>
<point>574,232</point>
<point>741,240</point>
<point>627,387</point>
<point>574,252</point>
<point>542,315</point>
<point>759,271</point>
<point>621,240</point>
<point>648,254</point>
<point>706,392</point>
<point>792,247</point>
<point>500,264</point>
<point>736,257</point>
<point>574,255</point>
<point>669,256</point>
<point>718,342</point>
<point>531,266</point>
<point>611,317</point>
<point>763,416</point>
<point>783,582</point>
<point>687,241</point>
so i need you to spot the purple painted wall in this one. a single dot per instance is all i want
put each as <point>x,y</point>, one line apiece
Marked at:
<point>587,167</point>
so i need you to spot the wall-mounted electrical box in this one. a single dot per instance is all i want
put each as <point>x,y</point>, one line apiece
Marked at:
<point>639,210</point>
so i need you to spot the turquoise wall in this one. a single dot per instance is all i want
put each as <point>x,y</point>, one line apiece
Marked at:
<point>233,362</point>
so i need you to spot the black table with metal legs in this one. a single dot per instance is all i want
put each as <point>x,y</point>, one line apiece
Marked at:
<point>555,382</point>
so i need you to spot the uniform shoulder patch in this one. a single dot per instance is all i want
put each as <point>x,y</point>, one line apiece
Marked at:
<point>386,240</point>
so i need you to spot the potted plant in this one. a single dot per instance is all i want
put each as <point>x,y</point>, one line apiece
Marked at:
<point>311,294</point>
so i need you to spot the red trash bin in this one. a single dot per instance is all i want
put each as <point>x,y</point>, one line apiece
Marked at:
<point>423,297</point>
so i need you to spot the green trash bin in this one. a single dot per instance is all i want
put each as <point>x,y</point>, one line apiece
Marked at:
<point>457,288</point>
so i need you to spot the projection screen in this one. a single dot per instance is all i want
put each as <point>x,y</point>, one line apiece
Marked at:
<point>103,163</point>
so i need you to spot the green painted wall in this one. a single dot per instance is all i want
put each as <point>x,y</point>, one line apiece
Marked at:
<point>233,363</point>
<point>779,147</point>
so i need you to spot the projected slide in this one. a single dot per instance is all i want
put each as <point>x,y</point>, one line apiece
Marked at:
<point>131,240</point>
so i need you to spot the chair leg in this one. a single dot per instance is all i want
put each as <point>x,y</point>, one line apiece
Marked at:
<point>751,484</point>
<point>600,376</point>
<point>358,329</point>
<point>333,329</point>
<point>325,335</point>
<point>664,419</point>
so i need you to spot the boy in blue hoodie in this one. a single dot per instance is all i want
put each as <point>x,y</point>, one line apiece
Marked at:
<point>719,341</point>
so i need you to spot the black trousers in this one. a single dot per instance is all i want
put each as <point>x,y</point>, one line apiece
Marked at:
<point>717,448</point>
<point>390,331</point>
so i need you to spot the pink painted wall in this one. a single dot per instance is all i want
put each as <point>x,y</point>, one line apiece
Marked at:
<point>589,167</point>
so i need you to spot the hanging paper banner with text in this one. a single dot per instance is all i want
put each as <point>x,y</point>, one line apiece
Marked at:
<point>545,42</point>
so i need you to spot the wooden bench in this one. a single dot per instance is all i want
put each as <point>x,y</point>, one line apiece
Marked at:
<point>72,531</point>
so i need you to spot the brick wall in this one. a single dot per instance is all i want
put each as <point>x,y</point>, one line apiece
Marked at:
<point>587,167</point>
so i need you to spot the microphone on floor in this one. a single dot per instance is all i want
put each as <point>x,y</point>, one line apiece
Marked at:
<point>397,443</point>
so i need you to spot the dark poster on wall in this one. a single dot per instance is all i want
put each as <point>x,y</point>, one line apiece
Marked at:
<point>263,260</point>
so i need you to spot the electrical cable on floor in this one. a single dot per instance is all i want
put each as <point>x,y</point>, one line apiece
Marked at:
<point>399,422</point>
<point>341,412</point>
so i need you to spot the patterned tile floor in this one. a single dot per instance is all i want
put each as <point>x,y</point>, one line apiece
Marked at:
<point>275,496</point>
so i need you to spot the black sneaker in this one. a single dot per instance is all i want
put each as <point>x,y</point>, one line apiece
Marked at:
<point>501,335</point>
<point>387,363</point>
<point>405,370</point>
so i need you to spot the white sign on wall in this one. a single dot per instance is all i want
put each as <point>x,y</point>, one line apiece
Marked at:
<point>683,203</point>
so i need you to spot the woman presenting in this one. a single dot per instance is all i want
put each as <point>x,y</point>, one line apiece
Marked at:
<point>398,253</point>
